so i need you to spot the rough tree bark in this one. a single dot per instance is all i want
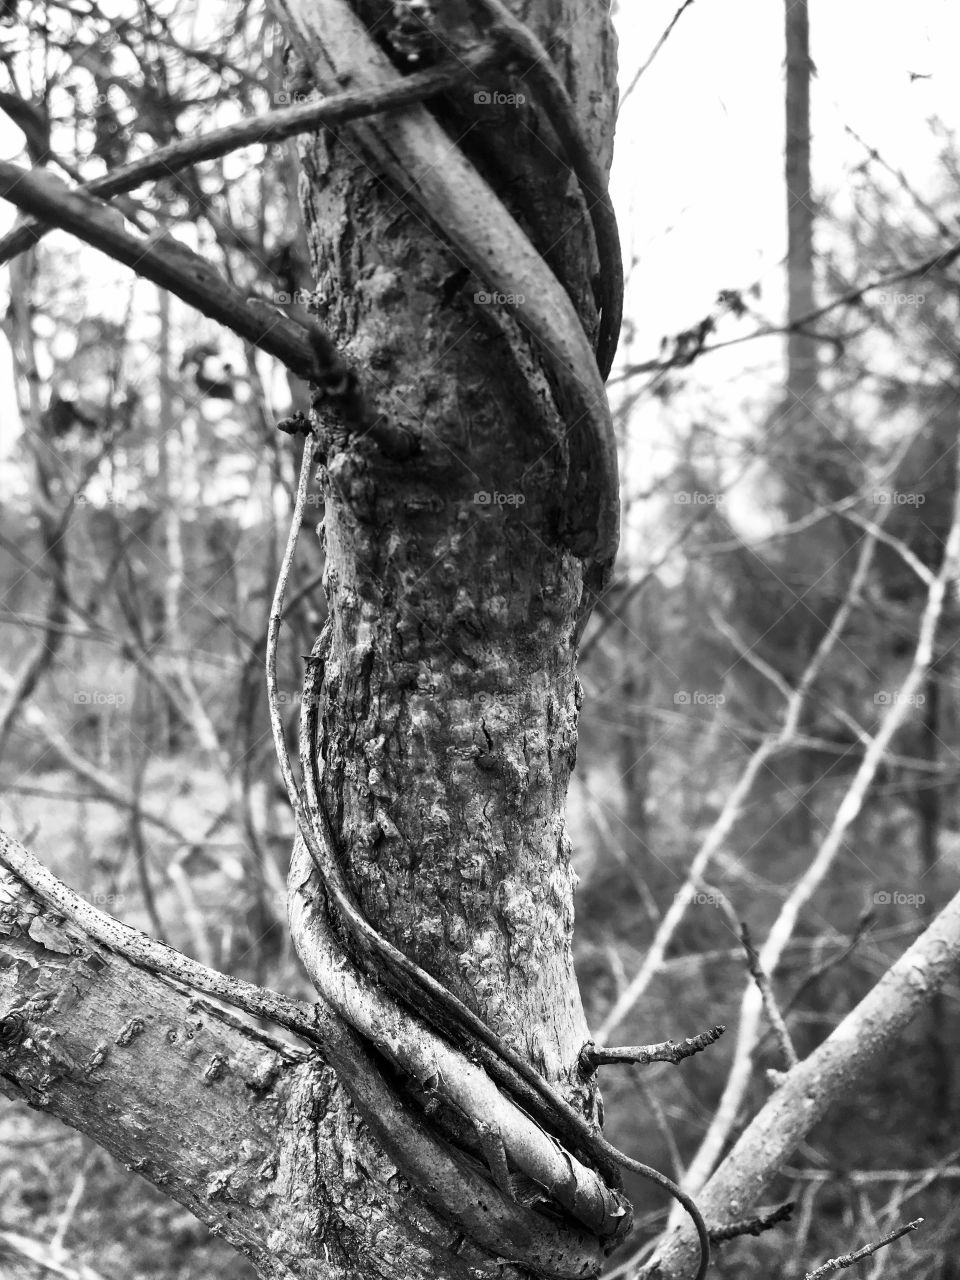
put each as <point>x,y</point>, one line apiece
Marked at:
<point>449,696</point>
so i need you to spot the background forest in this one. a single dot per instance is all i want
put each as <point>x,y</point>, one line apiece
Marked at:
<point>769,730</point>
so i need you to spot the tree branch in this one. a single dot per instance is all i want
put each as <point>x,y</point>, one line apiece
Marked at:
<point>54,1046</point>
<point>273,126</point>
<point>831,1075</point>
<point>593,1055</point>
<point>851,297</point>
<point>308,353</point>
<point>851,1259</point>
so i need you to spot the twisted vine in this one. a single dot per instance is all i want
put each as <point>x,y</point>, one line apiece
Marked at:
<point>369,1011</point>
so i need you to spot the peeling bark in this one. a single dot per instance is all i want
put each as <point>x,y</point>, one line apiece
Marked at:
<point>252,1134</point>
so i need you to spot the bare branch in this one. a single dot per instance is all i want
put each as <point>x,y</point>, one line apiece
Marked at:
<point>935,262</point>
<point>309,353</point>
<point>753,1226</point>
<point>830,1076</point>
<point>769,999</point>
<point>116,1048</point>
<point>780,934</point>
<point>851,1259</point>
<point>726,820</point>
<point>645,66</point>
<point>593,1056</point>
<point>895,544</point>
<point>273,126</point>
<point>102,781</point>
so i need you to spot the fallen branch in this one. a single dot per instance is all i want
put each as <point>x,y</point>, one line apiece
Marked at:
<point>829,1077</point>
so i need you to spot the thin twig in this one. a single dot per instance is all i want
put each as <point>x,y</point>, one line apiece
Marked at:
<point>653,53</point>
<point>593,1055</point>
<point>769,999</point>
<point>849,298</point>
<point>866,919</point>
<point>309,353</point>
<point>753,1226</point>
<point>726,820</point>
<point>895,544</point>
<point>100,779</point>
<point>273,126</point>
<point>851,1259</point>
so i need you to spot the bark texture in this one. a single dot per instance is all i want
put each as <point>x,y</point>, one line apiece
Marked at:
<point>249,1132</point>
<point>449,719</point>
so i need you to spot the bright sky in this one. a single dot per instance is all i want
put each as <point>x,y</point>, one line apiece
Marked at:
<point>698,180</point>
<point>698,169</point>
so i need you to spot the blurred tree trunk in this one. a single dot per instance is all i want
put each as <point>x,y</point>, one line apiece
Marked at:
<point>802,431</point>
<point>801,381</point>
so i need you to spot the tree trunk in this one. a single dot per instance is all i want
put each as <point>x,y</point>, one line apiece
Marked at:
<point>450,700</point>
<point>800,429</point>
<point>801,348</point>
